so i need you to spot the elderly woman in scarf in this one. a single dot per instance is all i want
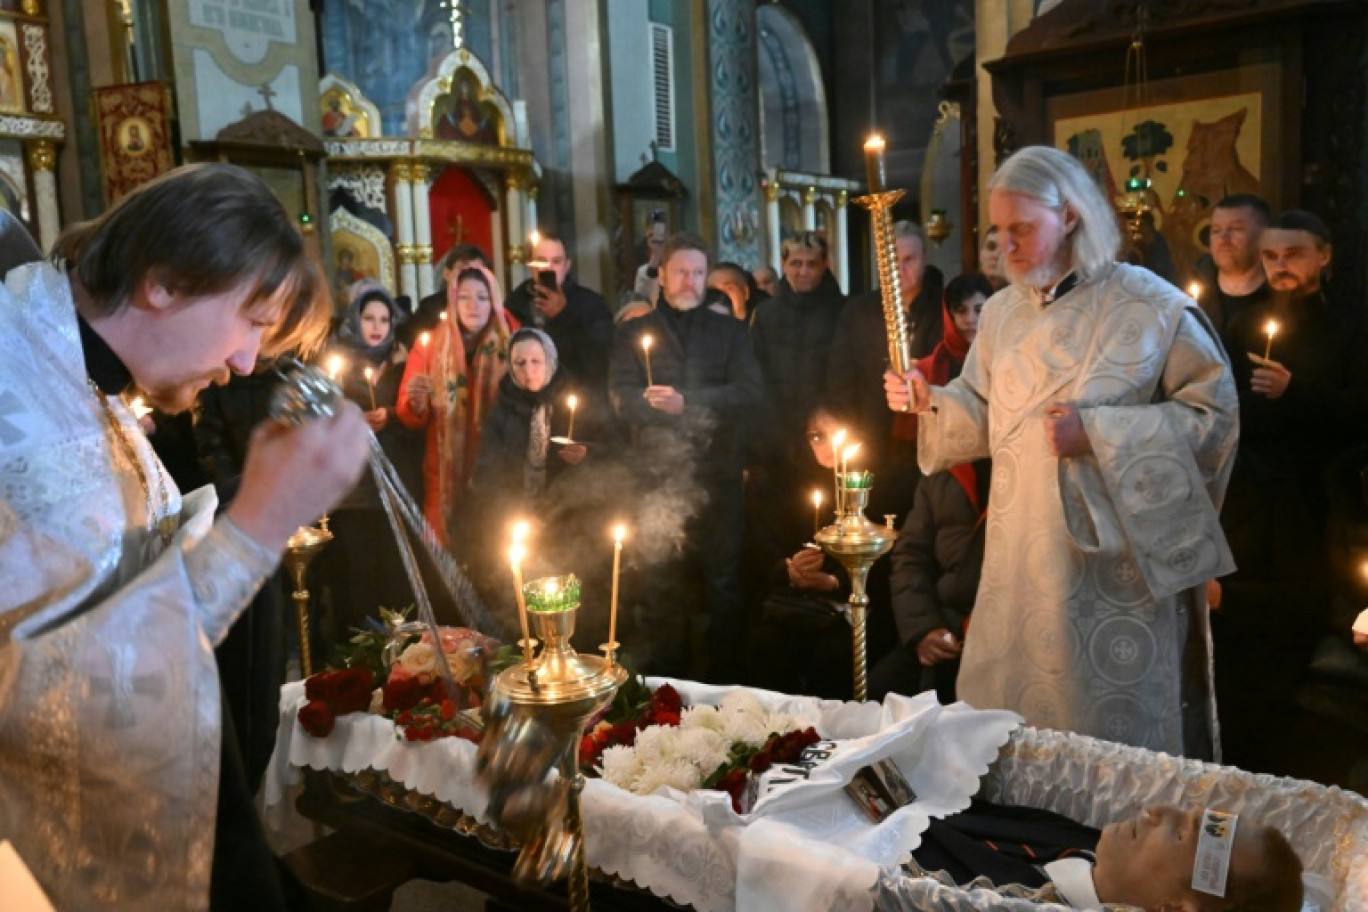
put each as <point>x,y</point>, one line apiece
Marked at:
<point>363,569</point>
<point>450,385</point>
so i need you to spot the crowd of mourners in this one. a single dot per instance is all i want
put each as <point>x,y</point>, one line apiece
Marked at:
<point>703,412</point>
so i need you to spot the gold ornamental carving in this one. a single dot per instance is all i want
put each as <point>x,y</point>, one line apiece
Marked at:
<point>809,196</point>
<point>405,254</point>
<point>422,173</point>
<point>402,172</point>
<point>422,254</point>
<point>773,192</point>
<point>842,199</point>
<point>42,155</point>
<point>533,189</point>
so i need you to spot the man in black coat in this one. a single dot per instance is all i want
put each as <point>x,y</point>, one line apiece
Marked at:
<point>1232,278</point>
<point>792,338</point>
<point>685,403</point>
<point>576,318</point>
<point>1300,408</point>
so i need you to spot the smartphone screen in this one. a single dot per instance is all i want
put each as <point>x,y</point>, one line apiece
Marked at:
<point>546,278</point>
<point>658,230</point>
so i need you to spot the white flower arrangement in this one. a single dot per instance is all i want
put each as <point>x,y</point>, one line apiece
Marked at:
<point>683,756</point>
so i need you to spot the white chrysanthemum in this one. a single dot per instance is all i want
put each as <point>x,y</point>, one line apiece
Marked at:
<point>701,717</point>
<point>745,727</point>
<point>678,773</point>
<point>782,723</point>
<point>739,701</point>
<point>657,744</point>
<point>620,766</point>
<point>707,750</point>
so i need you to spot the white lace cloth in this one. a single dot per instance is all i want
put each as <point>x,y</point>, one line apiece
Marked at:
<point>805,848</point>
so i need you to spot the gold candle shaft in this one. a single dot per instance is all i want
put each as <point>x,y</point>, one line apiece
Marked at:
<point>859,650</point>
<point>1268,347</point>
<point>890,281</point>
<point>522,614</point>
<point>613,605</point>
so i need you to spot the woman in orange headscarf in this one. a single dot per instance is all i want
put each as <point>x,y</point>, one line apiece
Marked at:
<point>449,386</point>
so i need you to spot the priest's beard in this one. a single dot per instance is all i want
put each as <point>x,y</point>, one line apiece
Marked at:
<point>172,400</point>
<point>1042,277</point>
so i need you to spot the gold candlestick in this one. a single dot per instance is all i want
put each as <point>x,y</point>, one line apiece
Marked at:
<point>300,550</point>
<point>857,543</point>
<point>880,203</point>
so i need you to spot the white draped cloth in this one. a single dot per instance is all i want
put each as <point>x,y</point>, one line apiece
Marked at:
<point>1091,614</point>
<point>109,698</point>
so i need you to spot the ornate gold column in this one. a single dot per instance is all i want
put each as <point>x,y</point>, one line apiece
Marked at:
<point>810,209</point>
<point>422,230</point>
<point>840,245</point>
<point>32,8</point>
<point>402,174</point>
<point>773,231</point>
<point>42,161</point>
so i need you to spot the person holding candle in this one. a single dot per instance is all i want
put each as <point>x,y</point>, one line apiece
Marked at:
<point>1105,401</point>
<point>450,385</point>
<point>362,570</point>
<point>1301,409</point>
<point>687,428</point>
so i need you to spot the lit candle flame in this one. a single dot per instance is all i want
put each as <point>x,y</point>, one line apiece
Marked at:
<point>849,452</point>
<point>370,374</point>
<point>1271,328</point>
<point>335,366</point>
<point>550,587</point>
<point>139,408</point>
<point>516,554</point>
<point>619,533</point>
<point>534,238</point>
<point>1195,290</point>
<point>646,342</point>
<point>817,499</point>
<point>572,402</point>
<point>875,143</point>
<point>521,528</point>
<point>425,338</point>
<point>441,316</point>
<point>837,439</point>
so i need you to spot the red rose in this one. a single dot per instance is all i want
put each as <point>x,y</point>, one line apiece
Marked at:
<point>665,718</point>
<point>760,761</point>
<point>353,690</point>
<point>734,784</point>
<point>588,750</point>
<point>400,694</point>
<point>666,699</point>
<point>624,733</point>
<point>317,718</point>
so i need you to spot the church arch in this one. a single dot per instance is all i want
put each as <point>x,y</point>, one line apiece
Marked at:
<point>793,106</point>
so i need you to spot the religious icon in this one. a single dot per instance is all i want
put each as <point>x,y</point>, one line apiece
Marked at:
<point>11,89</point>
<point>134,136</point>
<point>460,115</point>
<point>339,120</point>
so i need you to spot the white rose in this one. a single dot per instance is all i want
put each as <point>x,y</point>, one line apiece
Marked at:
<point>419,658</point>
<point>463,665</point>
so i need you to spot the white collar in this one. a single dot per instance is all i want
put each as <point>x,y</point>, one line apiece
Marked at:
<point>1074,878</point>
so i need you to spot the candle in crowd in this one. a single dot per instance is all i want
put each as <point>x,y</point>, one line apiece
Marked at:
<point>571,402</point>
<point>1194,290</point>
<point>370,385</point>
<point>335,366</point>
<point>1271,329</point>
<point>837,439</point>
<point>816,510</point>
<point>646,342</point>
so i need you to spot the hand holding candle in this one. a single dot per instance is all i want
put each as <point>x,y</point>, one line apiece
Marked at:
<point>876,163</point>
<point>646,342</point>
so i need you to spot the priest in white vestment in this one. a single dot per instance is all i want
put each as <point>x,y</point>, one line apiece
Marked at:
<point>1106,403</point>
<point>115,587</point>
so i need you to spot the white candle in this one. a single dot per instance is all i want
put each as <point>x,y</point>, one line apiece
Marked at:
<point>836,440</point>
<point>1271,328</point>
<point>516,554</point>
<point>876,165</point>
<point>646,342</point>
<point>618,533</point>
<point>370,385</point>
<point>816,511</point>
<point>572,402</point>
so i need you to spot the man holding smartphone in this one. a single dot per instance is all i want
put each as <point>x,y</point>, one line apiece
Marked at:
<point>576,318</point>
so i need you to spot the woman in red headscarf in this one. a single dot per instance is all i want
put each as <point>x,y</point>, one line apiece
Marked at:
<point>450,384</point>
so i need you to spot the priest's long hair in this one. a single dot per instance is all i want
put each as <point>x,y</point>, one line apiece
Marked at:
<point>1057,179</point>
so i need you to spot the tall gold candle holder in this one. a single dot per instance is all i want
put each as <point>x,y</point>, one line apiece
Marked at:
<point>300,550</point>
<point>879,202</point>
<point>856,543</point>
<point>535,718</point>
